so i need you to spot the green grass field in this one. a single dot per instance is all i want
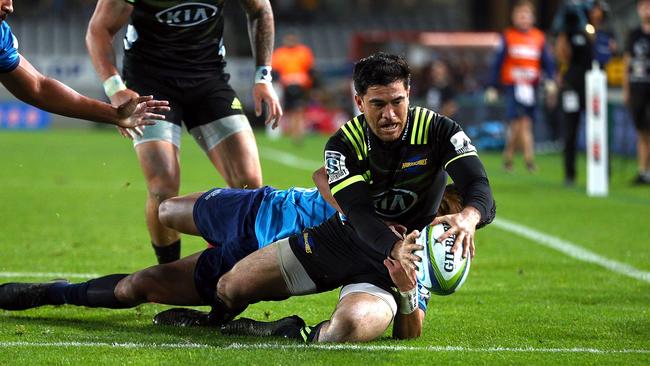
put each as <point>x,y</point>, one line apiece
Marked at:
<point>72,202</point>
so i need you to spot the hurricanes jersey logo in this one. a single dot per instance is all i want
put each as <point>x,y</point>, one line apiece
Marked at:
<point>187,15</point>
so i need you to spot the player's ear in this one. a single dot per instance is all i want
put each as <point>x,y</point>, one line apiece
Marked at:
<point>359,101</point>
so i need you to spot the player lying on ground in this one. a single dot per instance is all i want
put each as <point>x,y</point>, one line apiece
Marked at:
<point>387,164</point>
<point>260,216</point>
<point>30,86</point>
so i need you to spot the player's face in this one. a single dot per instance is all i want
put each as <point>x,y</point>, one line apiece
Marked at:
<point>386,109</point>
<point>523,17</point>
<point>6,8</point>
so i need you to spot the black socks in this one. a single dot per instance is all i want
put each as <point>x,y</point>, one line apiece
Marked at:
<point>168,253</point>
<point>96,293</point>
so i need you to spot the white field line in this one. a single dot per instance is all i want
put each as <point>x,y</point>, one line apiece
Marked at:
<point>288,159</point>
<point>338,347</point>
<point>49,275</point>
<point>571,249</point>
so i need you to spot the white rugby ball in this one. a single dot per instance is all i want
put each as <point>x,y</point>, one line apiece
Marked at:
<point>440,271</point>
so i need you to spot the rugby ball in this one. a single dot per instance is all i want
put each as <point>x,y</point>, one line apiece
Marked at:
<point>440,271</point>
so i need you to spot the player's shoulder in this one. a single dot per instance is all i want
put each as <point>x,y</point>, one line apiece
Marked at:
<point>352,134</point>
<point>420,127</point>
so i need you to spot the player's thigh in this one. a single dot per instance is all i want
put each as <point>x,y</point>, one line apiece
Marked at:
<point>171,283</point>
<point>237,159</point>
<point>359,317</point>
<point>255,278</point>
<point>178,213</point>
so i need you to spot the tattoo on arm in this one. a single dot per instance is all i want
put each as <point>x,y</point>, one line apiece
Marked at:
<point>261,29</point>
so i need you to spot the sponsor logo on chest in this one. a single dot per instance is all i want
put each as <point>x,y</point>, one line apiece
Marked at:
<point>187,14</point>
<point>394,202</point>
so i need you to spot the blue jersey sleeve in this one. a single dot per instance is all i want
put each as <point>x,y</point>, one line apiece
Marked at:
<point>423,296</point>
<point>9,58</point>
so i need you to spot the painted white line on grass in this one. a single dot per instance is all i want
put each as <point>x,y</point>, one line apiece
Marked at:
<point>288,159</point>
<point>329,347</point>
<point>572,250</point>
<point>50,275</point>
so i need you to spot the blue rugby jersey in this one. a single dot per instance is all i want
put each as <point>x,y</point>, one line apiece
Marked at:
<point>9,58</point>
<point>284,213</point>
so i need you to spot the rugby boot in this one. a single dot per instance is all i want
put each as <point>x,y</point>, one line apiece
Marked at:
<point>290,327</point>
<point>22,296</point>
<point>183,317</point>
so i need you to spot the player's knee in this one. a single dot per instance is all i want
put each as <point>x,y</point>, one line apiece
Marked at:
<point>246,177</point>
<point>159,191</point>
<point>228,291</point>
<point>126,290</point>
<point>166,212</point>
<point>359,323</point>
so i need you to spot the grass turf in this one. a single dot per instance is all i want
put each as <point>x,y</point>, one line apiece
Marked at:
<point>72,201</point>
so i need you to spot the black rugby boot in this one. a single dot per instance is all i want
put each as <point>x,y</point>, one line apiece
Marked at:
<point>183,317</point>
<point>22,296</point>
<point>289,328</point>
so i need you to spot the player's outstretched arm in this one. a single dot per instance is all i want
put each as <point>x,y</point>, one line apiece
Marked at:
<point>261,31</point>
<point>30,86</point>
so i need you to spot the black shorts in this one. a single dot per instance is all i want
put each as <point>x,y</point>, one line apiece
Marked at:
<point>330,268</point>
<point>194,101</point>
<point>640,107</point>
<point>294,97</point>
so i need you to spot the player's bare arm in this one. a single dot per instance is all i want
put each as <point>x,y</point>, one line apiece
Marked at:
<point>261,31</point>
<point>320,180</point>
<point>109,17</point>
<point>408,321</point>
<point>30,86</point>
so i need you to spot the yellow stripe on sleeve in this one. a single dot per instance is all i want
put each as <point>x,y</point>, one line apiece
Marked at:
<point>473,153</point>
<point>352,141</point>
<point>353,179</point>
<point>426,127</point>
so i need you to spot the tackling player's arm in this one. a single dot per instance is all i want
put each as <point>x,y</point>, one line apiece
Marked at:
<point>320,179</point>
<point>467,171</point>
<point>30,86</point>
<point>351,191</point>
<point>261,31</point>
<point>410,308</point>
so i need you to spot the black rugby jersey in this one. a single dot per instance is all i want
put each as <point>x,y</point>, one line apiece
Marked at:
<point>179,38</point>
<point>638,47</point>
<point>403,181</point>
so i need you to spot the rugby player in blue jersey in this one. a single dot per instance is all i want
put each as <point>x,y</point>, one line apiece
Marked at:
<point>30,86</point>
<point>236,222</point>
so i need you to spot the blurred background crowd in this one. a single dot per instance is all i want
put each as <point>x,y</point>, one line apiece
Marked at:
<point>450,44</point>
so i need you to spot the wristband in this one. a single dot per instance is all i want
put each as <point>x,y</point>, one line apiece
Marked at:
<point>263,75</point>
<point>113,85</point>
<point>408,301</point>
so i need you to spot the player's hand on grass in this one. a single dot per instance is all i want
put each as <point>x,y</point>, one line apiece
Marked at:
<point>463,225</point>
<point>140,111</point>
<point>264,93</point>
<point>403,251</point>
<point>404,279</point>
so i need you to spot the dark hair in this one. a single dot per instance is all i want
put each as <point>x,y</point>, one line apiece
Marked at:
<point>380,69</point>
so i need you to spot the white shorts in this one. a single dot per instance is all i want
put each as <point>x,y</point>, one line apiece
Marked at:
<point>368,288</point>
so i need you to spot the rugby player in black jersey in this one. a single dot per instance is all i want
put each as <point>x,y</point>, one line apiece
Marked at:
<point>174,50</point>
<point>388,165</point>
